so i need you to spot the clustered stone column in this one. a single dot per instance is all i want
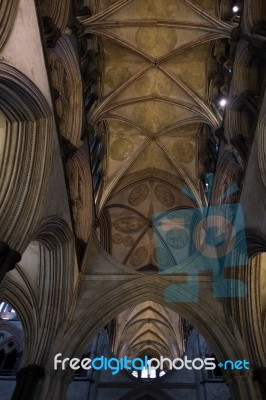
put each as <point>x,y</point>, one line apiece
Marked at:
<point>256,42</point>
<point>8,259</point>
<point>51,32</point>
<point>55,384</point>
<point>27,379</point>
<point>260,377</point>
<point>243,385</point>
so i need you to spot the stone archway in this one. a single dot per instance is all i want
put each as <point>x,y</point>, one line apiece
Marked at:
<point>26,136</point>
<point>95,317</point>
<point>8,11</point>
<point>143,289</point>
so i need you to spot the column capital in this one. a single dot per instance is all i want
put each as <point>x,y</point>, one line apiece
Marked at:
<point>27,379</point>
<point>260,377</point>
<point>63,375</point>
<point>8,259</point>
<point>51,32</point>
<point>12,258</point>
<point>3,248</point>
<point>236,34</point>
<point>34,371</point>
<point>231,376</point>
<point>260,374</point>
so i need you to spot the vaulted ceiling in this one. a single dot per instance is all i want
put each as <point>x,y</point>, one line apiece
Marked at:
<point>148,329</point>
<point>155,91</point>
<point>154,101</point>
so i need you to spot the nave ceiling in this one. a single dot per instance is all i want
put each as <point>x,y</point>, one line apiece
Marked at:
<point>157,73</point>
<point>151,74</point>
<point>154,115</point>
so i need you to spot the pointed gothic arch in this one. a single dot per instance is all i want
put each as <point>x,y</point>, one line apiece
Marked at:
<point>26,136</point>
<point>200,316</point>
<point>8,12</point>
<point>53,276</point>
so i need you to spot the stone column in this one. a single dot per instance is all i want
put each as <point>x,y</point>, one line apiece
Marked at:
<point>248,100</point>
<point>51,32</point>
<point>260,377</point>
<point>239,143</point>
<point>55,385</point>
<point>257,51</point>
<point>8,259</point>
<point>242,385</point>
<point>219,133</point>
<point>83,11</point>
<point>27,379</point>
<point>257,42</point>
<point>259,28</point>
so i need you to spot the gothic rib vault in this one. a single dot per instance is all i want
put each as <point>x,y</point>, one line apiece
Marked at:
<point>154,103</point>
<point>110,118</point>
<point>154,115</point>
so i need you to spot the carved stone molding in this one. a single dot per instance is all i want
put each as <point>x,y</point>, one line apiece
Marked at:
<point>228,172</point>
<point>67,85</point>
<point>8,259</point>
<point>26,124</point>
<point>8,12</point>
<point>27,379</point>
<point>79,180</point>
<point>58,11</point>
<point>51,32</point>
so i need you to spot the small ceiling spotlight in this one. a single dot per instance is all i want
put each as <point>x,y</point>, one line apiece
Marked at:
<point>223,102</point>
<point>235,9</point>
